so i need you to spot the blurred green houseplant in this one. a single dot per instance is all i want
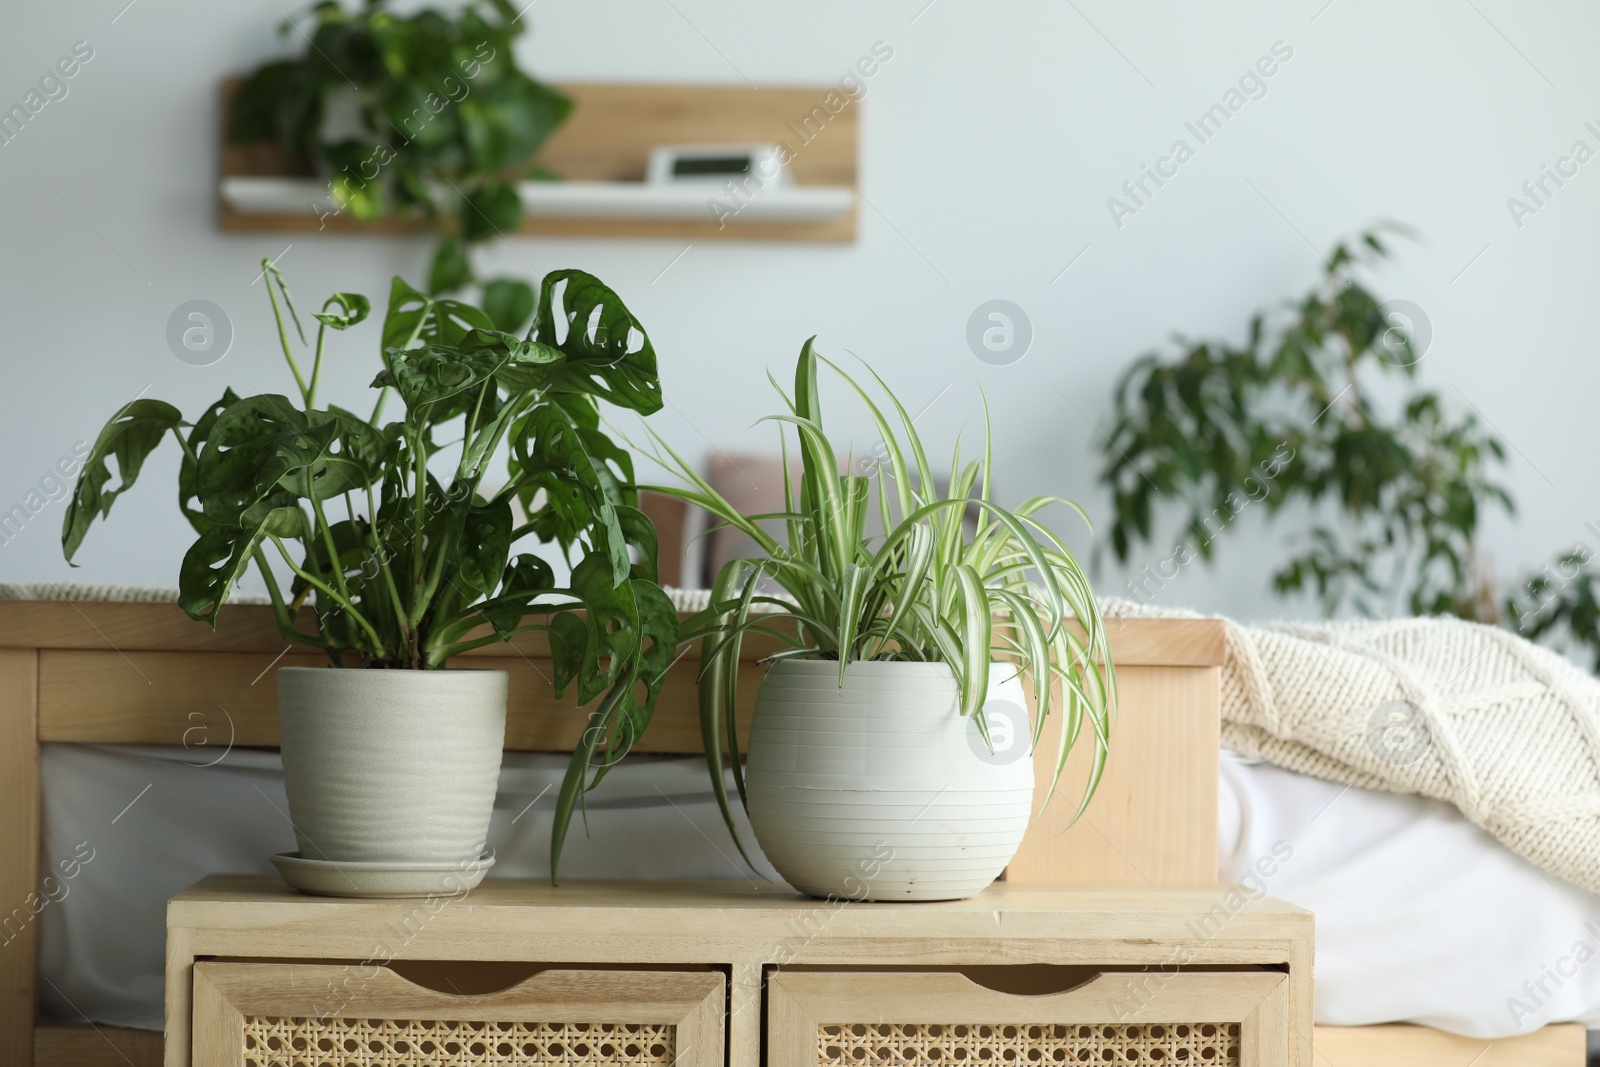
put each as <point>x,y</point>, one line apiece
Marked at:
<point>424,114</point>
<point>1396,492</point>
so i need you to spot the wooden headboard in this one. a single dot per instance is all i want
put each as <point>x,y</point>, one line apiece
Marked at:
<point>133,674</point>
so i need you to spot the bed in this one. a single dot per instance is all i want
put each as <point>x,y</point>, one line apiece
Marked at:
<point>76,677</point>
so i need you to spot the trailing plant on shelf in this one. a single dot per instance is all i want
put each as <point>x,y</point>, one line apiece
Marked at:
<point>424,114</point>
<point>1397,492</point>
<point>925,592</point>
<point>400,534</point>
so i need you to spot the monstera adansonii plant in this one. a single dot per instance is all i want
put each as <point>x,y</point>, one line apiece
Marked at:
<point>399,535</point>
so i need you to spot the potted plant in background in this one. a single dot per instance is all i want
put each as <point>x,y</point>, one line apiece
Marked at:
<point>1386,486</point>
<point>876,765</point>
<point>402,546</point>
<point>425,114</point>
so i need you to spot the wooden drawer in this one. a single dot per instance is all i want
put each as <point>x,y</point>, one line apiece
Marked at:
<point>312,1015</point>
<point>1226,1019</point>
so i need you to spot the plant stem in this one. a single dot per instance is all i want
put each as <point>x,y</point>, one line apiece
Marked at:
<point>187,450</point>
<point>386,570</point>
<point>334,562</point>
<point>471,425</point>
<point>322,587</point>
<point>283,335</point>
<point>279,608</point>
<point>500,432</point>
<point>435,573</point>
<point>437,656</point>
<point>418,519</point>
<point>316,366</point>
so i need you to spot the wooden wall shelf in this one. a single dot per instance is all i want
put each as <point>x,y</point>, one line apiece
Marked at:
<point>608,139</point>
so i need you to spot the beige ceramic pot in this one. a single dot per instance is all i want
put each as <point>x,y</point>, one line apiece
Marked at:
<point>391,766</point>
<point>880,789</point>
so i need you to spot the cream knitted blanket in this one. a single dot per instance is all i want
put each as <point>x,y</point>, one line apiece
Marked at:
<point>1473,715</point>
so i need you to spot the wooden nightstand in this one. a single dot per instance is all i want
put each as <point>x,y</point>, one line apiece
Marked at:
<point>672,973</point>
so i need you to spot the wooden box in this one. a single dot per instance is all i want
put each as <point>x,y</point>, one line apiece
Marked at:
<point>701,974</point>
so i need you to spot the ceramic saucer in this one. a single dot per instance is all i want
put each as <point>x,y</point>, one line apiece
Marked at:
<point>379,880</point>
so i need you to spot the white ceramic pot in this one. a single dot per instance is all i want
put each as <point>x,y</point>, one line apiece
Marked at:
<point>391,766</point>
<point>880,789</point>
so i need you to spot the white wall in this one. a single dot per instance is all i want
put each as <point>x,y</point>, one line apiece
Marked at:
<point>990,144</point>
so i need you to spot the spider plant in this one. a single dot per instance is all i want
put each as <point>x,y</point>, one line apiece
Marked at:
<point>928,589</point>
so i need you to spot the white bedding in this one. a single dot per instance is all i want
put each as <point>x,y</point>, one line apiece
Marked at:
<point>101,942</point>
<point>1421,916</point>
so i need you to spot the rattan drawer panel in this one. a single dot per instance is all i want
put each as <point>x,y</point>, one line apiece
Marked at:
<point>330,1015</point>
<point>1221,1019</point>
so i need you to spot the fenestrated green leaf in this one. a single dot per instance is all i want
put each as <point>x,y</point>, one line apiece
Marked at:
<point>216,560</point>
<point>353,459</point>
<point>130,436</point>
<point>355,438</point>
<point>639,534</point>
<point>409,309</point>
<point>628,718</point>
<point>612,623</point>
<point>658,644</point>
<point>415,316</point>
<point>608,353</point>
<point>569,641</point>
<point>485,544</point>
<point>429,374</point>
<point>325,477</point>
<point>439,371</point>
<point>579,492</point>
<point>527,578</point>
<point>578,770</point>
<point>188,473</point>
<point>527,575</point>
<point>351,543</point>
<point>452,321</point>
<point>349,309</point>
<point>256,446</point>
